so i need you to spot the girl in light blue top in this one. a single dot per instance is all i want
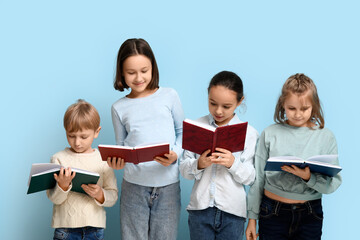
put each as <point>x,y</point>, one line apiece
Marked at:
<point>287,204</point>
<point>217,208</point>
<point>150,191</point>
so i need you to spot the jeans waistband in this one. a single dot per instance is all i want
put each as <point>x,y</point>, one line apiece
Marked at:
<point>295,206</point>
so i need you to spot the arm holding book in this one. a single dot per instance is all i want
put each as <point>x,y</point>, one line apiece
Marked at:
<point>325,184</point>
<point>176,148</point>
<point>177,113</point>
<point>167,159</point>
<point>189,165</point>
<point>243,170</point>
<point>108,188</point>
<point>57,194</point>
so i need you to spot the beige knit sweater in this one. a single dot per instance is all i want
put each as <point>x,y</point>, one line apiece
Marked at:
<point>72,209</point>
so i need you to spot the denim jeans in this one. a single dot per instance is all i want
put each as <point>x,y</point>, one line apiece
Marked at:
<point>280,221</point>
<point>212,223</point>
<point>88,233</point>
<point>149,212</point>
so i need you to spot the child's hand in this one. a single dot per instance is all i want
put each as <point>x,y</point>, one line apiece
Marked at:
<point>168,159</point>
<point>94,191</point>
<point>223,157</point>
<point>116,163</point>
<point>64,178</point>
<point>303,173</point>
<point>251,230</point>
<point>204,161</point>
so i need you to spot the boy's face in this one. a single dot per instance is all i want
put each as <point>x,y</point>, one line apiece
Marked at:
<point>80,141</point>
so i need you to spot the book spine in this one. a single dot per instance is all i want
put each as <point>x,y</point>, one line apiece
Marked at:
<point>214,141</point>
<point>134,156</point>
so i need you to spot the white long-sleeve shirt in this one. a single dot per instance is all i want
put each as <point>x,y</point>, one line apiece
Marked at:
<point>217,185</point>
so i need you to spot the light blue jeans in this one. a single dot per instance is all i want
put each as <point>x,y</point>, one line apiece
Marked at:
<point>149,212</point>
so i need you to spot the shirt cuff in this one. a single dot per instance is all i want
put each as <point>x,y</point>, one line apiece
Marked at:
<point>197,172</point>
<point>252,215</point>
<point>234,166</point>
<point>312,181</point>
<point>67,191</point>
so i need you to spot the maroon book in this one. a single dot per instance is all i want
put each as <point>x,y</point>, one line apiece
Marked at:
<point>134,155</point>
<point>199,137</point>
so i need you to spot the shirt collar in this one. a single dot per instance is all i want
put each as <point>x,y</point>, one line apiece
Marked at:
<point>234,120</point>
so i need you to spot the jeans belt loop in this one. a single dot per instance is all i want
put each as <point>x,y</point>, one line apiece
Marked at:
<point>308,204</point>
<point>277,208</point>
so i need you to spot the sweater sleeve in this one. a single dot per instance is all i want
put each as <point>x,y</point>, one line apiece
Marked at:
<point>109,187</point>
<point>325,184</point>
<point>243,170</point>
<point>56,194</point>
<point>257,189</point>
<point>119,128</point>
<point>178,116</point>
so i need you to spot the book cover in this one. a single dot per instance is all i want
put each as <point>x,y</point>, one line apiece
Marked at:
<point>135,155</point>
<point>199,137</point>
<point>42,177</point>
<point>323,164</point>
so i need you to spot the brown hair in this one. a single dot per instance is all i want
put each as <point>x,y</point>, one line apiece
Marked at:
<point>81,115</point>
<point>132,47</point>
<point>300,84</point>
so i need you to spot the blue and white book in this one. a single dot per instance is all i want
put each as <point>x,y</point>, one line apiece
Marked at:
<point>324,164</point>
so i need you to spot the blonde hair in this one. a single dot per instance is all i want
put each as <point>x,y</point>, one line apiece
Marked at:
<point>81,115</point>
<point>300,84</point>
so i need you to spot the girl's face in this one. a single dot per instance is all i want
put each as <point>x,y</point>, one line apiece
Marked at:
<point>137,72</point>
<point>298,109</point>
<point>222,104</point>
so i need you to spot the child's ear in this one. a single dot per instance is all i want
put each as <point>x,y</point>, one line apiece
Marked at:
<point>238,104</point>
<point>97,132</point>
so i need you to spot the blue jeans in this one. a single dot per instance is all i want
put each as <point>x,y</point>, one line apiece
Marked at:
<point>149,212</point>
<point>212,223</point>
<point>88,233</point>
<point>283,221</point>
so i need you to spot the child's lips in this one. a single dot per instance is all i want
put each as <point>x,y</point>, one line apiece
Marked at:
<point>138,84</point>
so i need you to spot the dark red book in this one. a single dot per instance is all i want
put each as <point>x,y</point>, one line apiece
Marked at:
<point>199,137</point>
<point>134,154</point>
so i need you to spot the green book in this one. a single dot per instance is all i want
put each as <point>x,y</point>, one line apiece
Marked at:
<point>42,177</point>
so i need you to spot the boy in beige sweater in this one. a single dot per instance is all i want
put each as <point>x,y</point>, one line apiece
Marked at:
<point>78,215</point>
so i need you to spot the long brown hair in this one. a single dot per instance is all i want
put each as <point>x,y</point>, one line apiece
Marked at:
<point>132,47</point>
<point>300,84</point>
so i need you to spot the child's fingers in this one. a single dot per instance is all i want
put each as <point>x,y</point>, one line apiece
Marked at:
<point>62,171</point>
<point>222,150</point>
<point>204,154</point>
<point>120,163</point>
<point>73,175</point>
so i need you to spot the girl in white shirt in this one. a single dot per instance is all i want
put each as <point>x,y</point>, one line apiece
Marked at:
<point>217,208</point>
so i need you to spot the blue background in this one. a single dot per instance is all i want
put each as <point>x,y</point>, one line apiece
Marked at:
<point>55,52</point>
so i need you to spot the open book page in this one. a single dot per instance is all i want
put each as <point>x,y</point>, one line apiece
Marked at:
<point>150,145</point>
<point>328,159</point>
<point>115,146</point>
<point>200,124</point>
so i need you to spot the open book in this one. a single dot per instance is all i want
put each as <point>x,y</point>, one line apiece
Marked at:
<point>42,177</point>
<point>323,164</point>
<point>134,155</point>
<point>199,137</point>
